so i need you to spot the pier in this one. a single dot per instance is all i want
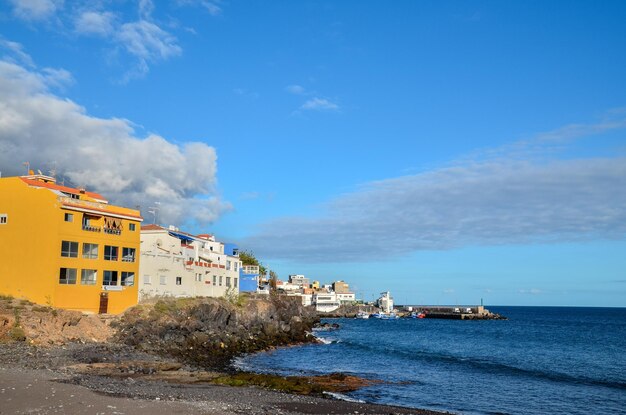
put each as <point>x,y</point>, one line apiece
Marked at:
<point>453,312</point>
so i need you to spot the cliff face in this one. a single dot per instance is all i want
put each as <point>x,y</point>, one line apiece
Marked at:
<point>209,332</point>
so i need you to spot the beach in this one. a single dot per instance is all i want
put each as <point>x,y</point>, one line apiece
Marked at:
<point>41,380</point>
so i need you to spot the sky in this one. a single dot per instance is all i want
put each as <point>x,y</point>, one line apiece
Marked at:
<point>446,151</point>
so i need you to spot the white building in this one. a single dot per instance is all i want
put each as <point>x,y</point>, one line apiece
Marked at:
<point>326,302</point>
<point>300,280</point>
<point>175,263</point>
<point>385,302</point>
<point>347,298</point>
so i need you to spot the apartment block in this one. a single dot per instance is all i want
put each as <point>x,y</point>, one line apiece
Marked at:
<point>66,247</point>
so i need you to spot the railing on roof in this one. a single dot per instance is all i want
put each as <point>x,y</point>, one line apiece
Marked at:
<point>79,202</point>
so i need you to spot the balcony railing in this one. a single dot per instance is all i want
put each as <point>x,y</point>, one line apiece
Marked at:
<point>112,231</point>
<point>91,228</point>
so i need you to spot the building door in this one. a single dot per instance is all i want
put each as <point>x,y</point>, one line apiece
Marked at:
<point>104,303</point>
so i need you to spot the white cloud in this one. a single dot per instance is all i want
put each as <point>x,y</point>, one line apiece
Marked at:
<point>16,53</point>
<point>319,104</point>
<point>210,6</point>
<point>475,202</point>
<point>146,7</point>
<point>95,23</point>
<point>142,41</point>
<point>35,10</point>
<point>295,89</point>
<point>148,41</point>
<point>105,155</point>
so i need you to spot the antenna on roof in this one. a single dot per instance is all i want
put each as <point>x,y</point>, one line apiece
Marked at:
<point>27,164</point>
<point>53,170</point>
<point>155,211</point>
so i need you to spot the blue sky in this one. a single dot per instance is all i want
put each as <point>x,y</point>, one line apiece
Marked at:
<point>446,151</point>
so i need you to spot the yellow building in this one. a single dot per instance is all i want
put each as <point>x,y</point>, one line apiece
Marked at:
<point>66,247</point>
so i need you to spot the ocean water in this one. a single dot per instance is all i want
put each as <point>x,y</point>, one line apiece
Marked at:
<point>543,360</point>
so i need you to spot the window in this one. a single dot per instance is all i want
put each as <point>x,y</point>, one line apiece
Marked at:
<point>199,277</point>
<point>163,280</point>
<point>236,264</point>
<point>128,254</point>
<point>88,276</point>
<point>69,249</point>
<point>228,265</point>
<point>131,226</point>
<point>179,280</point>
<point>214,280</point>
<point>110,278</point>
<point>220,280</point>
<point>69,217</point>
<point>146,280</point>
<point>90,251</point>
<point>235,279</point>
<point>110,253</point>
<point>128,279</point>
<point>67,276</point>
<point>228,281</point>
<point>3,219</point>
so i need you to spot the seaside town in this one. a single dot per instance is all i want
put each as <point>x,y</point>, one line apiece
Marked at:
<point>96,257</point>
<point>312,207</point>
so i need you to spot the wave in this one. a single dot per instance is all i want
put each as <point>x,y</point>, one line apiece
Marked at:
<point>483,365</point>
<point>342,397</point>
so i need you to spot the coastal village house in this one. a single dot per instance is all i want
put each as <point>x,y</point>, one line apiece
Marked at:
<point>66,247</point>
<point>326,299</point>
<point>249,278</point>
<point>179,264</point>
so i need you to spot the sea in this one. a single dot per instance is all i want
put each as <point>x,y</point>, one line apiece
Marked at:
<point>542,360</point>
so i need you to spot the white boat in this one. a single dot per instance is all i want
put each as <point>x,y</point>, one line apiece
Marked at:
<point>362,314</point>
<point>385,316</point>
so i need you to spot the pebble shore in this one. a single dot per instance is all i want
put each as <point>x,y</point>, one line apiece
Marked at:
<point>40,380</point>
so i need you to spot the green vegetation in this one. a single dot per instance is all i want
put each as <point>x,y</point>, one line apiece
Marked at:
<point>235,298</point>
<point>248,258</point>
<point>6,297</point>
<point>17,332</point>
<point>290,384</point>
<point>42,309</point>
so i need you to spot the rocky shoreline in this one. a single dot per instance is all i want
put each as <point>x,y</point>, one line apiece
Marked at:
<point>175,352</point>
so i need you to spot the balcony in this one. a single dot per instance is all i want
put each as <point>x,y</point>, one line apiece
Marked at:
<point>112,231</point>
<point>91,228</point>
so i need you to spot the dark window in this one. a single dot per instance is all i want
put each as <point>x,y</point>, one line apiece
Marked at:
<point>67,276</point>
<point>69,217</point>
<point>110,253</point>
<point>131,226</point>
<point>69,249</point>
<point>110,278</point>
<point>179,280</point>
